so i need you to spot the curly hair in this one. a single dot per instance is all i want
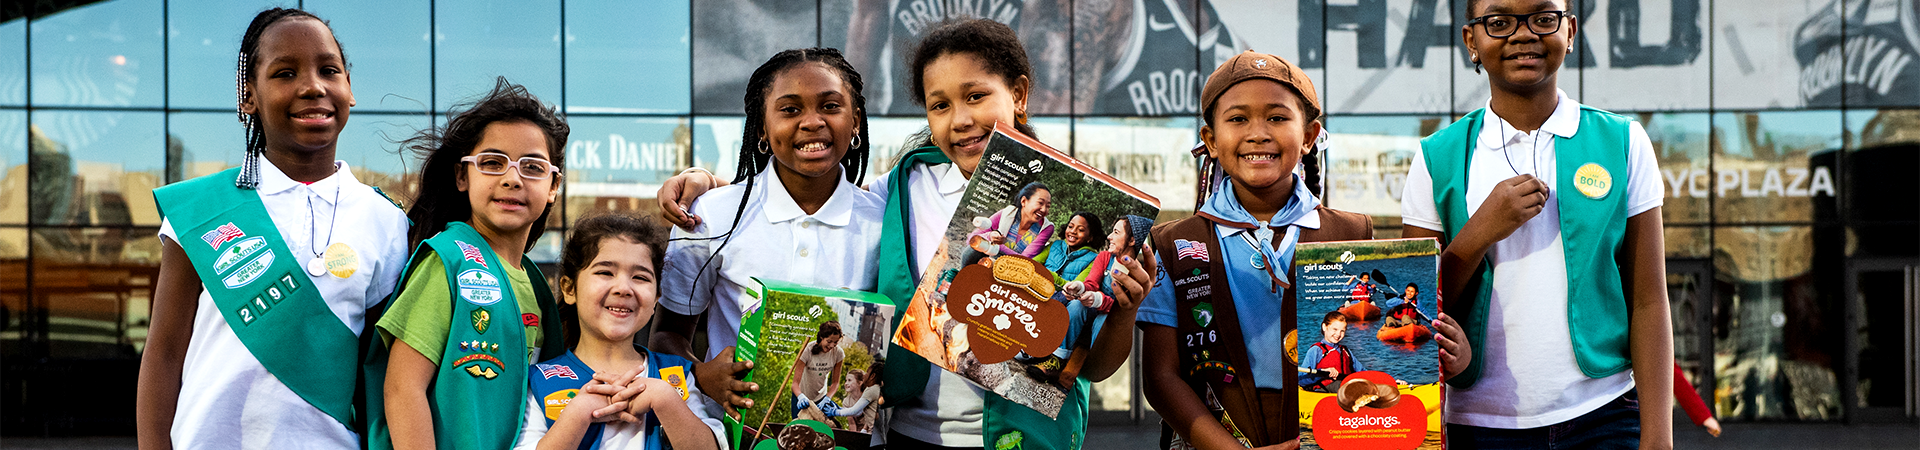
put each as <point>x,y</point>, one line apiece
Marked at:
<point>993,43</point>
<point>440,200</point>
<point>583,245</point>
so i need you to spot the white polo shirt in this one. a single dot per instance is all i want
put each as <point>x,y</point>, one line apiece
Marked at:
<point>1531,378</point>
<point>837,246</point>
<point>948,413</point>
<point>227,399</point>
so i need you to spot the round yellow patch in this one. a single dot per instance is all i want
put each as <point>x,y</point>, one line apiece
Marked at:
<point>1593,181</point>
<point>341,260</point>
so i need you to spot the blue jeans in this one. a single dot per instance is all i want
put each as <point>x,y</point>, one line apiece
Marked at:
<point>1614,426</point>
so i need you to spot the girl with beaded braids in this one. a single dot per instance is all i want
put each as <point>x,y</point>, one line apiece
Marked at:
<point>795,210</point>
<point>971,75</point>
<point>266,284</point>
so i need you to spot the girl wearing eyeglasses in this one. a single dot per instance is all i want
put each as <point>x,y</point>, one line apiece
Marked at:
<point>1550,211</point>
<point>473,313</point>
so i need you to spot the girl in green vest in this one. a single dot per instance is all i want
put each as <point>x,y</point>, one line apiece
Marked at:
<point>1554,262</point>
<point>473,312</point>
<point>608,286</point>
<point>268,267</point>
<point>970,75</point>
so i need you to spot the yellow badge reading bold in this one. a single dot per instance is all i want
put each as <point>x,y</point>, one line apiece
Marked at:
<point>557,402</point>
<point>341,261</point>
<point>676,376</point>
<point>1593,181</point>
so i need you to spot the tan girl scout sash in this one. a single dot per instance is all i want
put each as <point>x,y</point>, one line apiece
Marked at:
<point>478,395</point>
<point>259,288</point>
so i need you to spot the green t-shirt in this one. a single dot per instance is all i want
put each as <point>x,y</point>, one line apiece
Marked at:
<point>422,313</point>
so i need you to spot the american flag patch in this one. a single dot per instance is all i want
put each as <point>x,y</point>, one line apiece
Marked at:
<point>555,370</point>
<point>1190,249</point>
<point>221,235</point>
<point>471,253</point>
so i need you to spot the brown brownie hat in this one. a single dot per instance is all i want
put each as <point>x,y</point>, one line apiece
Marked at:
<point>1251,65</point>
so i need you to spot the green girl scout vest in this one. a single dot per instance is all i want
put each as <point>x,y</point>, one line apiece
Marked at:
<point>1005,425</point>
<point>478,398</point>
<point>256,282</point>
<point>1592,168</point>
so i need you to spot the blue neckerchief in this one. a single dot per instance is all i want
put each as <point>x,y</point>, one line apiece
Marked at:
<point>1224,206</point>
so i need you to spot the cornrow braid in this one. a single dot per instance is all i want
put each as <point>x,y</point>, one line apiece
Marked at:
<point>243,74</point>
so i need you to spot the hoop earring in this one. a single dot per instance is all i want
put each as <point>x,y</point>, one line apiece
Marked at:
<point>764,147</point>
<point>856,141</point>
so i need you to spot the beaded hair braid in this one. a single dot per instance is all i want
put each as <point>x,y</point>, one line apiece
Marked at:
<point>242,72</point>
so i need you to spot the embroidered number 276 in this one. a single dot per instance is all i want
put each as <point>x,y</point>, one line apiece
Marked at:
<point>1203,338</point>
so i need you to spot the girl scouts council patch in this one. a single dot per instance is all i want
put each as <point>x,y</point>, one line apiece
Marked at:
<point>479,287</point>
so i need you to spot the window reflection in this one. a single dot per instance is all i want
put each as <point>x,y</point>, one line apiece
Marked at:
<point>13,66</point>
<point>203,43</point>
<point>1776,330</point>
<point>478,40</point>
<point>1151,153</point>
<point>1883,154</point>
<point>1775,166</point>
<point>371,146</point>
<point>386,45</point>
<point>13,160</point>
<point>94,285</point>
<point>618,163</point>
<point>15,323</point>
<point>200,144</point>
<point>103,54</point>
<point>611,44</point>
<point>1681,143</point>
<point>96,168</point>
<point>1367,160</point>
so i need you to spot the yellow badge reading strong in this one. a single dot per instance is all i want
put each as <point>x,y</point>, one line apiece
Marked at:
<point>341,261</point>
<point>1593,181</point>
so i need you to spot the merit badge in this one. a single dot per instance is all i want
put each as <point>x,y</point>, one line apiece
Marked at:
<point>1203,314</point>
<point>481,319</point>
<point>676,376</point>
<point>479,287</point>
<point>530,319</point>
<point>341,261</point>
<point>1259,261</point>
<point>483,365</point>
<point>1593,181</point>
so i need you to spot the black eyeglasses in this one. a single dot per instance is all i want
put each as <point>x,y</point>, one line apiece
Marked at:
<point>1502,26</point>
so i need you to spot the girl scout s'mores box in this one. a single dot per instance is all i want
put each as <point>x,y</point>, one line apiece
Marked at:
<point>817,355</point>
<point>1022,273</point>
<point>1369,366</point>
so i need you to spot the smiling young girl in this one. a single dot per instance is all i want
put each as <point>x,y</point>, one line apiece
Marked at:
<point>1554,257</point>
<point>608,292</point>
<point>473,312</point>
<point>970,75</point>
<point>799,217</point>
<point>1214,358</point>
<point>280,260</point>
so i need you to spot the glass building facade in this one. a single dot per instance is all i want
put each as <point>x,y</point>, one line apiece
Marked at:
<point>1788,133</point>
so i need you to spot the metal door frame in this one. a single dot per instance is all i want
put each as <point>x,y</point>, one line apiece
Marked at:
<point>1702,319</point>
<point>1909,268</point>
